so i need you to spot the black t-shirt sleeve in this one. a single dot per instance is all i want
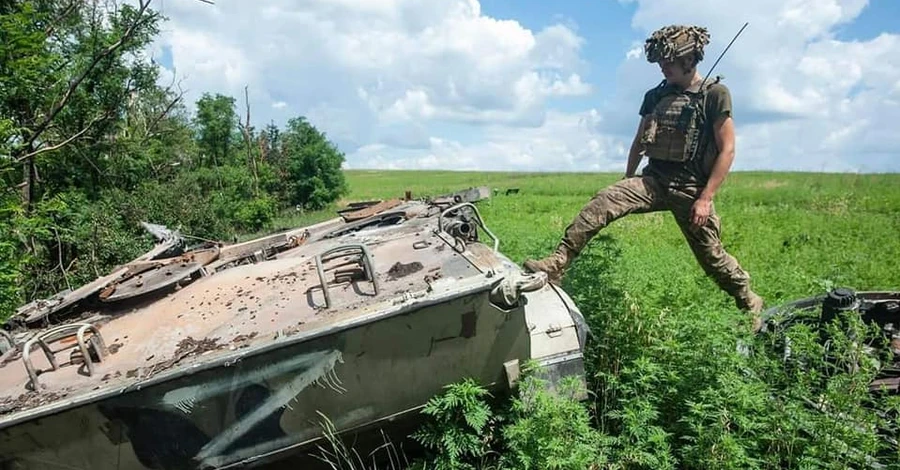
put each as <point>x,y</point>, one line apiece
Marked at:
<point>718,104</point>
<point>648,103</point>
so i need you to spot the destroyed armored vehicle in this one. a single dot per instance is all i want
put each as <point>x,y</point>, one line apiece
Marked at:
<point>880,311</point>
<point>226,355</point>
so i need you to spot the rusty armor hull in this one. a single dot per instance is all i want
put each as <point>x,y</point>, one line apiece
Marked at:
<point>359,324</point>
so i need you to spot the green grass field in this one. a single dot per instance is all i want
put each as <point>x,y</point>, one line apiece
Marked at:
<point>669,388</point>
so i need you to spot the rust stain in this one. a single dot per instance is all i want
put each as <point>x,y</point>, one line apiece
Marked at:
<point>399,269</point>
<point>371,210</point>
<point>29,400</point>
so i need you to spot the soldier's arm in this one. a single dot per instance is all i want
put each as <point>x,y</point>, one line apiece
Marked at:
<point>723,129</point>
<point>634,155</point>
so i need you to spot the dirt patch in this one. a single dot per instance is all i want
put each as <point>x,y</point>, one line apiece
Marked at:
<point>399,269</point>
<point>772,184</point>
<point>244,338</point>
<point>114,348</point>
<point>190,346</point>
<point>28,400</point>
<point>107,377</point>
<point>13,356</point>
<point>292,330</point>
<point>186,348</point>
<point>292,274</point>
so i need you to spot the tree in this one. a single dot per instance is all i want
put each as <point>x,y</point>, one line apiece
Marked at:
<point>69,70</point>
<point>313,165</point>
<point>80,114</point>
<point>216,122</point>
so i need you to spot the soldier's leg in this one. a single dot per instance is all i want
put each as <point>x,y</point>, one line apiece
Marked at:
<point>706,244</point>
<point>628,196</point>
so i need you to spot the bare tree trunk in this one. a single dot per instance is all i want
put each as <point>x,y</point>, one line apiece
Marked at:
<point>251,162</point>
<point>29,174</point>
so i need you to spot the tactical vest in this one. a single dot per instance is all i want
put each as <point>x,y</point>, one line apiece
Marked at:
<point>675,128</point>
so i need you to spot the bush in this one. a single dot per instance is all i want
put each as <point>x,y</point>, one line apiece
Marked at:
<point>10,261</point>
<point>537,429</point>
<point>313,165</point>
<point>687,386</point>
<point>459,430</point>
<point>550,431</point>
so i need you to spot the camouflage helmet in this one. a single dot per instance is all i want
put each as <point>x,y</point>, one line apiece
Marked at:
<point>671,42</point>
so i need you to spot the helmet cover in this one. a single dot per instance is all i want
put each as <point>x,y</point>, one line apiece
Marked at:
<point>674,41</point>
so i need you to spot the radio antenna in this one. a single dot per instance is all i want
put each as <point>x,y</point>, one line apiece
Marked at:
<point>722,54</point>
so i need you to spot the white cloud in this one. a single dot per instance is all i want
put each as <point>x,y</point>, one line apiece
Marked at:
<point>564,142</point>
<point>395,81</point>
<point>383,61</point>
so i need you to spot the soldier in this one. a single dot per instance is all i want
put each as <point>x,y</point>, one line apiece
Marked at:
<point>687,132</point>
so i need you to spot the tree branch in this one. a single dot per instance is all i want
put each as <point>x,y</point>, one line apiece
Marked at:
<point>142,8</point>
<point>59,255</point>
<point>246,130</point>
<point>66,12</point>
<point>63,143</point>
<point>160,116</point>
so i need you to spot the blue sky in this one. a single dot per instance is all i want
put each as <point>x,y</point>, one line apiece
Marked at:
<point>545,86</point>
<point>879,16</point>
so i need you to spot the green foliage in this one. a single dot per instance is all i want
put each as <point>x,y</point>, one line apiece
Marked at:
<point>460,421</point>
<point>547,430</point>
<point>72,75</point>
<point>215,123</point>
<point>10,260</point>
<point>536,429</point>
<point>312,165</point>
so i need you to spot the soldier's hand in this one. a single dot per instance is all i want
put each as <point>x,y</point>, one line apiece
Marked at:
<point>700,212</point>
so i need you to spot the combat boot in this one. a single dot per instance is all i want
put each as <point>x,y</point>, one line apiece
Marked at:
<point>750,302</point>
<point>554,265</point>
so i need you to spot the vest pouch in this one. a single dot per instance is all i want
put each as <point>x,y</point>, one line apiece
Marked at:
<point>649,134</point>
<point>669,145</point>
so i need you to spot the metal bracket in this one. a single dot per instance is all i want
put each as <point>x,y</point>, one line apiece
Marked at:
<point>58,333</point>
<point>6,342</point>
<point>554,330</point>
<point>477,218</point>
<point>337,252</point>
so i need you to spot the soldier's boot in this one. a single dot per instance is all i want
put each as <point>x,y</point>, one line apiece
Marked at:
<point>576,237</point>
<point>554,265</point>
<point>752,303</point>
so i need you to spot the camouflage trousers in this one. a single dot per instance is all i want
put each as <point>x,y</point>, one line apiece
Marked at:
<point>646,194</point>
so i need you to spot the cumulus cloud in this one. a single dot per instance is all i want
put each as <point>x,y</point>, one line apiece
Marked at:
<point>439,84</point>
<point>565,141</point>
<point>385,62</point>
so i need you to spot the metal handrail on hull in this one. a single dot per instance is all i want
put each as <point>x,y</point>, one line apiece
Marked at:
<point>341,251</point>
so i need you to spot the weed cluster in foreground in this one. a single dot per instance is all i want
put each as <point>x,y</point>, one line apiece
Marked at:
<point>683,389</point>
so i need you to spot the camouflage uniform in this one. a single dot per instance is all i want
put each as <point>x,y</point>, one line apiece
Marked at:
<point>682,153</point>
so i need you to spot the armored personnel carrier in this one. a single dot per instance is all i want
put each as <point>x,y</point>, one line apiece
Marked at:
<point>224,355</point>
